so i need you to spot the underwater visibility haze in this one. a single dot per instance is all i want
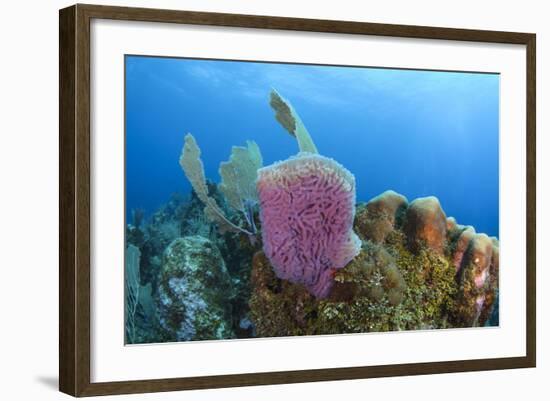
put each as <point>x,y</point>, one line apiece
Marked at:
<point>272,199</point>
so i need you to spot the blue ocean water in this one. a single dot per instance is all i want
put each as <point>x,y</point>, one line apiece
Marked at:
<point>419,133</point>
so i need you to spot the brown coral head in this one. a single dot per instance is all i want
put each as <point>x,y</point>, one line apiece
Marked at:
<point>426,225</point>
<point>479,256</point>
<point>388,204</point>
<point>377,219</point>
<point>461,246</point>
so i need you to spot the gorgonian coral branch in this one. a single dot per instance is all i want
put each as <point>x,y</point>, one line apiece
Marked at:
<point>132,287</point>
<point>290,120</point>
<point>239,175</point>
<point>193,168</point>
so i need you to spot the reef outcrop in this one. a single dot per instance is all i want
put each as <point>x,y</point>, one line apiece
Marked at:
<point>195,291</point>
<point>405,277</point>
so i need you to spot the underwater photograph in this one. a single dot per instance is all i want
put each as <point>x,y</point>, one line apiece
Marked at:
<point>280,199</point>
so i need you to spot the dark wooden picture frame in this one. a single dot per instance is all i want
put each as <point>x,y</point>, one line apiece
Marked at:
<point>74,199</point>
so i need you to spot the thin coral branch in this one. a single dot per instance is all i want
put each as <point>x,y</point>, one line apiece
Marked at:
<point>193,168</point>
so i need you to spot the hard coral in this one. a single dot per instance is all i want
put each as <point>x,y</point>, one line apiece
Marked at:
<point>478,280</point>
<point>195,291</point>
<point>461,245</point>
<point>378,217</point>
<point>307,212</point>
<point>426,224</point>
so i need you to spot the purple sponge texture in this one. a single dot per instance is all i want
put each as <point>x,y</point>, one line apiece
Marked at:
<point>307,208</point>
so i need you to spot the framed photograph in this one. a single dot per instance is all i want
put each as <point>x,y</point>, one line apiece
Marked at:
<point>250,200</point>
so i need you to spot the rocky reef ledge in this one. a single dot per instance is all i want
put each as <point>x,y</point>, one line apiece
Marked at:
<point>417,269</point>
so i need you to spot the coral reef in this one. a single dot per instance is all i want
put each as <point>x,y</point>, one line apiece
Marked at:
<point>182,217</point>
<point>404,279</point>
<point>195,291</point>
<point>307,212</point>
<point>310,261</point>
